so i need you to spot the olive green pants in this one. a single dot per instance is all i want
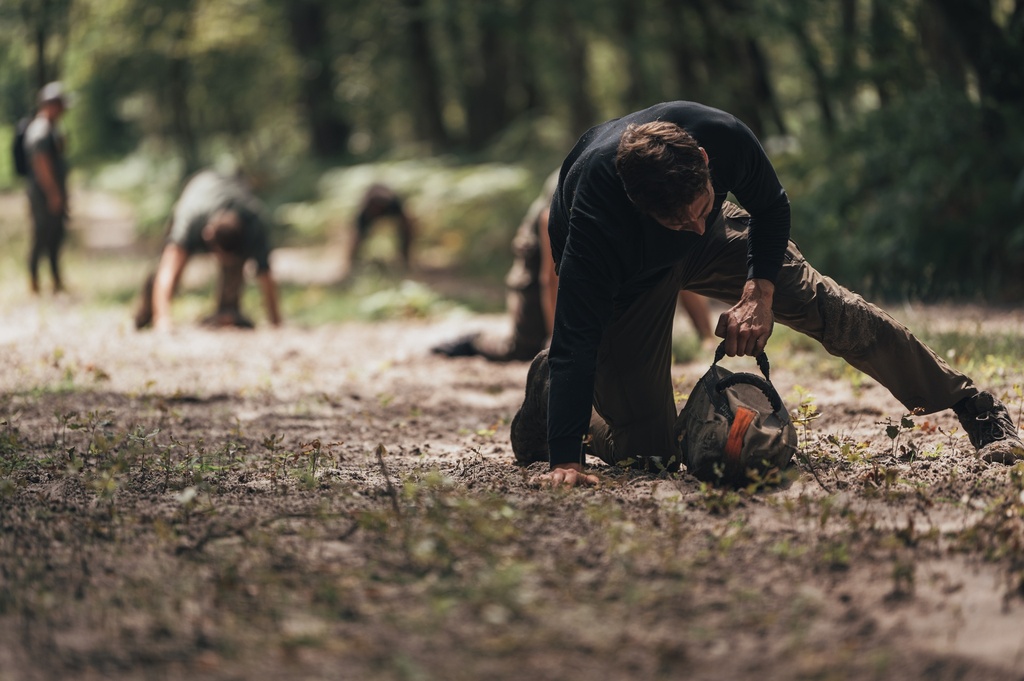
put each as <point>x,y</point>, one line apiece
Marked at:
<point>48,231</point>
<point>633,394</point>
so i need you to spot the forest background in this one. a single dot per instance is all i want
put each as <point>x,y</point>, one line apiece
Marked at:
<point>897,126</point>
<point>330,500</point>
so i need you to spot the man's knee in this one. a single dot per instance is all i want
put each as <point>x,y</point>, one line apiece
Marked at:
<point>842,321</point>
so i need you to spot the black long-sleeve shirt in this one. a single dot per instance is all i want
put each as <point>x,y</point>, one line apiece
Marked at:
<point>607,252</point>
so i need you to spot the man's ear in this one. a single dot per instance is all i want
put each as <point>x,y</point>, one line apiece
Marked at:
<point>705,155</point>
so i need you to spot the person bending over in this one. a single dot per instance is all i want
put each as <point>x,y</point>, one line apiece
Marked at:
<point>531,291</point>
<point>380,202</point>
<point>215,214</point>
<point>639,214</point>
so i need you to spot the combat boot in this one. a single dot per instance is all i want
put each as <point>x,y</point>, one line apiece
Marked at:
<point>223,319</point>
<point>463,346</point>
<point>988,425</point>
<point>529,431</point>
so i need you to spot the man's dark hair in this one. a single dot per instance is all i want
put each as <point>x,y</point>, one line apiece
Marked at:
<point>661,167</point>
<point>379,201</point>
<point>223,231</point>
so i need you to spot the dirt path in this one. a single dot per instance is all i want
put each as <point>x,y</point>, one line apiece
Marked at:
<point>337,502</point>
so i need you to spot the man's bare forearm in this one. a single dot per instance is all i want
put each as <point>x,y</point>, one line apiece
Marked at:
<point>748,324</point>
<point>268,288</point>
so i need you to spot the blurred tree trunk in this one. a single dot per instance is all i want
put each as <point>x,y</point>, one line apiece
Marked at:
<point>762,86</point>
<point>525,63</point>
<point>576,75</point>
<point>40,49</point>
<point>425,76</point>
<point>686,55</point>
<point>481,53</point>
<point>329,130</point>
<point>44,20</point>
<point>177,92</point>
<point>486,77</point>
<point>632,43</point>
<point>941,49</point>
<point>884,50</point>
<point>995,52</point>
<point>734,77</point>
<point>722,68</point>
<point>847,74</point>
<point>181,119</point>
<point>819,77</point>
<point>846,59</point>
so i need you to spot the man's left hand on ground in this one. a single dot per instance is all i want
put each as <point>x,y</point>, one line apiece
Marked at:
<point>747,325</point>
<point>566,475</point>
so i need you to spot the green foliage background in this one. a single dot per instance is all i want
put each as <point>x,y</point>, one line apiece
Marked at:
<point>917,202</point>
<point>895,126</point>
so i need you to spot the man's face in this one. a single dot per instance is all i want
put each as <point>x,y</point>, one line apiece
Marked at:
<point>691,218</point>
<point>221,224</point>
<point>53,109</point>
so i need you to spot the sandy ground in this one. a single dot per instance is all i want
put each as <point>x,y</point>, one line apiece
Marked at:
<point>336,502</point>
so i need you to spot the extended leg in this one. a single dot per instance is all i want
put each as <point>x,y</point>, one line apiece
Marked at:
<point>868,338</point>
<point>54,242</point>
<point>843,322</point>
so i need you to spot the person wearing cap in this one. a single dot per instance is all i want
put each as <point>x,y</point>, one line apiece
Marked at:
<point>47,182</point>
<point>215,214</point>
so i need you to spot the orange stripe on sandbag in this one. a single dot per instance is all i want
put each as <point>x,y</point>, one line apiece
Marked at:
<point>734,443</point>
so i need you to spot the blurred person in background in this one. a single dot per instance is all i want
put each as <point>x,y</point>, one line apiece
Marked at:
<point>381,202</point>
<point>531,290</point>
<point>46,172</point>
<point>215,214</point>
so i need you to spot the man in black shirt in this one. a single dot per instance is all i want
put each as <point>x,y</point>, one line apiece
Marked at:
<point>640,214</point>
<point>532,285</point>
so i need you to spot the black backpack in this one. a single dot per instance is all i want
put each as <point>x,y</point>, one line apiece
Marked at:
<point>734,427</point>
<point>18,147</point>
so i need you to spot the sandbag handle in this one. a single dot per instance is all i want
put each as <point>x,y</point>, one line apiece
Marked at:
<point>762,361</point>
<point>751,379</point>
